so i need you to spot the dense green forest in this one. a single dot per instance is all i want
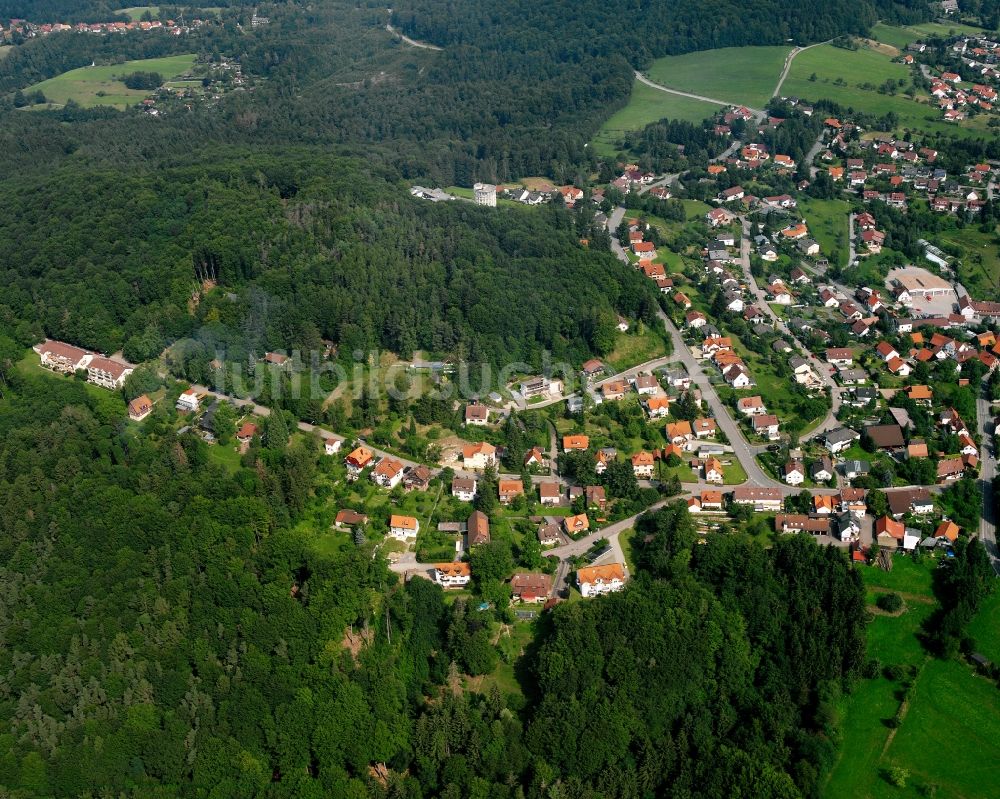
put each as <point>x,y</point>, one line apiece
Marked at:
<point>168,631</point>
<point>312,248</point>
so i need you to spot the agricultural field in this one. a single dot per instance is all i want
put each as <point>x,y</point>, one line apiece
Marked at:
<point>93,86</point>
<point>645,106</point>
<point>851,78</point>
<point>828,224</point>
<point>947,740</point>
<point>741,75</point>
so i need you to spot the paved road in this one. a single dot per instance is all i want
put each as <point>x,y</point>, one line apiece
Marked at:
<point>987,470</point>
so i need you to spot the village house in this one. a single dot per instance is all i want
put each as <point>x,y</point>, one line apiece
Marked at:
<point>840,439</point>
<point>549,535</point>
<point>534,457</point>
<point>452,575</point>
<point>576,524</point>
<point>478,528</point>
<point>642,465</point>
<point>765,425</point>
<point>713,472</point>
<point>657,407</point>
<point>464,488</point>
<point>525,587</point>
<point>794,473</point>
<point>349,519</point>
<point>403,528</point>
<point>751,406</point>
<point>595,497</point>
<point>509,490</point>
<point>140,408</point>
<point>549,493</point>
<point>387,473</point>
<point>357,461</point>
<point>596,580</point>
<point>704,428</point>
<point>479,456</point>
<point>188,401</point>
<point>574,443</point>
<point>762,500</point>
<point>476,414</point>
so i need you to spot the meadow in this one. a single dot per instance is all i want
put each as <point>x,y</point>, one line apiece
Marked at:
<point>102,85</point>
<point>741,75</point>
<point>645,106</point>
<point>851,78</point>
<point>947,740</point>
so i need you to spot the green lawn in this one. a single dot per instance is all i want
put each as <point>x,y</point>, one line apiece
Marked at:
<point>734,474</point>
<point>226,455</point>
<point>740,75</point>
<point>827,220</point>
<point>647,105</point>
<point>91,86</point>
<point>852,77</point>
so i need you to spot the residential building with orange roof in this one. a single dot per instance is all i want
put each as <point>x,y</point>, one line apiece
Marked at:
<point>657,407</point>
<point>576,524</point>
<point>642,465</point>
<point>479,456</point>
<point>508,490</point>
<point>596,580</point>
<point>947,529</point>
<point>359,458</point>
<point>713,470</point>
<point>403,527</point>
<point>679,432</point>
<point>572,443</point>
<point>452,575</point>
<point>387,473</point>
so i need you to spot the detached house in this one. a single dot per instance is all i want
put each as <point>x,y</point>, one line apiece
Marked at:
<point>387,473</point>
<point>765,425</point>
<point>452,575</point>
<point>596,580</point>
<point>403,528</point>
<point>642,465</point>
<point>357,461</point>
<point>140,408</point>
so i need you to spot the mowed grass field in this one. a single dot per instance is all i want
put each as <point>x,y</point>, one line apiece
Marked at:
<point>91,86</point>
<point>949,734</point>
<point>841,74</point>
<point>740,75</point>
<point>647,105</point>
